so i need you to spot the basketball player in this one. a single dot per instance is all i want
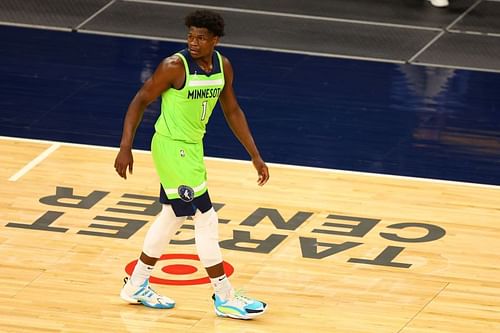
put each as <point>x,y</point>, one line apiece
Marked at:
<point>190,83</point>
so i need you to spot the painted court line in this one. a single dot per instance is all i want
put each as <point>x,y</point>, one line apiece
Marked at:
<point>109,4</point>
<point>34,26</point>
<point>277,165</point>
<point>241,46</point>
<point>283,14</point>
<point>250,47</point>
<point>35,162</point>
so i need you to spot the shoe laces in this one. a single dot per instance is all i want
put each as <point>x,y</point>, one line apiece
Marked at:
<point>239,295</point>
<point>150,292</point>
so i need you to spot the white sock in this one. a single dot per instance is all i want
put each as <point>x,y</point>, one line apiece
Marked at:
<point>222,286</point>
<point>141,273</point>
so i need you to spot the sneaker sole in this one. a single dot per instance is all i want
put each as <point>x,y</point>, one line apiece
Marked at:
<point>134,301</point>
<point>129,300</point>
<point>158,305</point>
<point>247,317</point>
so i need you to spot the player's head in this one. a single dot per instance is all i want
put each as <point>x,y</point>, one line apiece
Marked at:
<point>207,19</point>
<point>205,29</point>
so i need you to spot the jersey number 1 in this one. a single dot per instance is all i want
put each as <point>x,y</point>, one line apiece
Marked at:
<point>204,110</point>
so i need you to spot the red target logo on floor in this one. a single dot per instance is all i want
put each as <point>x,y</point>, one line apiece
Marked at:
<point>176,265</point>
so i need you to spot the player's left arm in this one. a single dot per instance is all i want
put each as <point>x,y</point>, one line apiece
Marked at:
<point>237,122</point>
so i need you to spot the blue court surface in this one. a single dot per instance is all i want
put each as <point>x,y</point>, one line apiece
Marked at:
<point>368,116</point>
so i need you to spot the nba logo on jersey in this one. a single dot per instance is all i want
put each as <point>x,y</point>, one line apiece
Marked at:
<point>186,193</point>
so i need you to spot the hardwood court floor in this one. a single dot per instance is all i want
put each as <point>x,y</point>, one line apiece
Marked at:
<point>330,251</point>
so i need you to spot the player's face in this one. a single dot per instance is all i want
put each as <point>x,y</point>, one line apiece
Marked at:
<point>201,42</point>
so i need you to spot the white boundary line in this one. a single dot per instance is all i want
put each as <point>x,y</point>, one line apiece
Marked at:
<point>432,41</point>
<point>476,33</point>
<point>133,36</point>
<point>95,14</point>
<point>458,19</point>
<point>417,63</point>
<point>277,165</point>
<point>177,40</point>
<point>443,31</point>
<point>314,54</point>
<point>246,47</point>
<point>283,14</point>
<point>35,162</point>
<point>36,26</point>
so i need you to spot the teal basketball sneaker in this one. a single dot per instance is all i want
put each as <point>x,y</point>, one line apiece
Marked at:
<point>238,306</point>
<point>145,295</point>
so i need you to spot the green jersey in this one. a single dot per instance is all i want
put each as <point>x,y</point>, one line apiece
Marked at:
<point>185,112</point>
<point>177,146</point>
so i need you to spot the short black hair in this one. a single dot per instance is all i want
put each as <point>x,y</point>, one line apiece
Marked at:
<point>208,19</point>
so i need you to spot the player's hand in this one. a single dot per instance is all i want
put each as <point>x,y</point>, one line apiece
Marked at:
<point>124,160</point>
<point>262,170</point>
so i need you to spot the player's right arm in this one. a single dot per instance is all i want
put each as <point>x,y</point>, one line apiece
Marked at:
<point>170,73</point>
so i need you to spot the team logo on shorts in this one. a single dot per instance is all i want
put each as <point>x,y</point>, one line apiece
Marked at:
<point>186,193</point>
<point>182,153</point>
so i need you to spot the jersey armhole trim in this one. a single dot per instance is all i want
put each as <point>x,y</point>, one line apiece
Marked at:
<point>186,71</point>
<point>221,63</point>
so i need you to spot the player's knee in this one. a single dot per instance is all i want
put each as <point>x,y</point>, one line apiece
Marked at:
<point>206,236</point>
<point>161,232</point>
<point>207,224</point>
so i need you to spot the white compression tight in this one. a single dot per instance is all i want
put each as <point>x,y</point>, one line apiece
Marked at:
<point>161,232</point>
<point>206,234</point>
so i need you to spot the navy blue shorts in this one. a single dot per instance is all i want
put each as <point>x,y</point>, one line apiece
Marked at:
<point>182,208</point>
